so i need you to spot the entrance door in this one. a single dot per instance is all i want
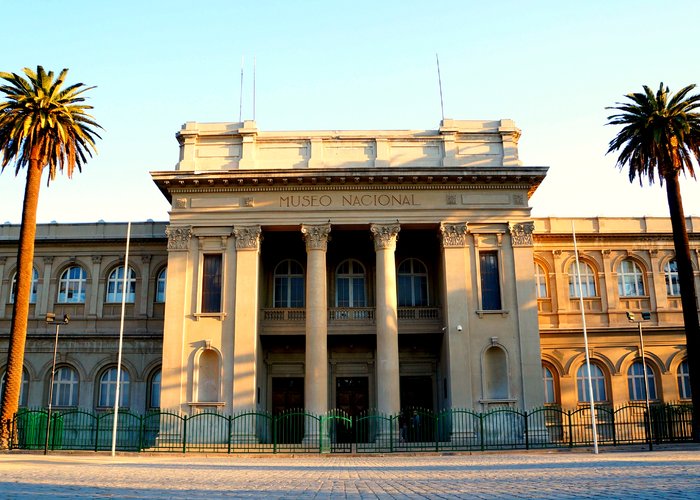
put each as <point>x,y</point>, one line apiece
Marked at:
<point>287,396</point>
<point>352,397</point>
<point>417,411</point>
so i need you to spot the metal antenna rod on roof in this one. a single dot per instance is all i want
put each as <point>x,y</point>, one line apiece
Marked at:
<point>442,106</point>
<point>240,103</point>
<point>253,88</point>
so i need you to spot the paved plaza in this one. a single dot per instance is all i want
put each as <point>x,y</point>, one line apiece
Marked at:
<point>543,474</point>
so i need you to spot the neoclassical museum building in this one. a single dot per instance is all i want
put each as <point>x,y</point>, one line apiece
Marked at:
<point>352,270</point>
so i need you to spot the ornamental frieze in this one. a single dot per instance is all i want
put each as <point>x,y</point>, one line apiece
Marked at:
<point>247,237</point>
<point>178,237</point>
<point>521,234</point>
<point>316,236</point>
<point>453,235</point>
<point>385,235</point>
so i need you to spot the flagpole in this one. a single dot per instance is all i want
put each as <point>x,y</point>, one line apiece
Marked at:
<point>121,338</point>
<point>585,341</point>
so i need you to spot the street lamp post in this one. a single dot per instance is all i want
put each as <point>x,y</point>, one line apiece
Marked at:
<point>51,320</point>
<point>645,317</point>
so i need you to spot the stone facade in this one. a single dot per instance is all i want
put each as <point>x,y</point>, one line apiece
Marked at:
<point>351,270</point>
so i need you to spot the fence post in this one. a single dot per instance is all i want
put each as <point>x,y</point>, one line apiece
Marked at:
<point>274,434</point>
<point>571,429</point>
<point>230,428</point>
<point>614,427</point>
<point>435,432</point>
<point>481,430</point>
<point>142,433</point>
<point>97,432</point>
<point>527,432</point>
<point>184,434</point>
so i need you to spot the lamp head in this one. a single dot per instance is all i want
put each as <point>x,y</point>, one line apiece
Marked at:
<point>630,316</point>
<point>50,317</point>
<point>66,319</point>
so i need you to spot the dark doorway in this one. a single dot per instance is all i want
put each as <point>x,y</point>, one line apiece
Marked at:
<point>288,408</point>
<point>352,397</point>
<point>417,411</point>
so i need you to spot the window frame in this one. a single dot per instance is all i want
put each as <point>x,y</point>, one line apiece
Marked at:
<point>588,280</point>
<point>34,287</point>
<point>291,283</point>
<point>541,281</point>
<point>597,380</point>
<point>66,283</point>
<point>355,280</point>
<point>113,293</point>
<point>673,287</point>
<point>633,278</point>
<point>413,276</point>
<point>72,385</point>
<point>161,278</point>
<point>124,393</point>
<point>551,381</point>
<point>635,381</point>
<point>155,374</point>
<point>491,292</point>
<point>211,296</point>
<point>683,378</point>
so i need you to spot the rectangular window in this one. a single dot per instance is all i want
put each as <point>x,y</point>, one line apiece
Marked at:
<point>490,281</point>
<point>211,283</point>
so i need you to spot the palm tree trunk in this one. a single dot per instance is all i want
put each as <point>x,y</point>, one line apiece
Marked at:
<point>688,296</point>
<point>20,309</point>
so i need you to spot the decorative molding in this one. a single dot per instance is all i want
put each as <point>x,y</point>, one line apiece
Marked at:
<point>248,202</point>
<point>453,235</point>
<point>451,199</point>
<point>178,237</point>
<point>180,203</point>
<point>96,259</point>
<point>316,236</point>
<point>521,234</point>
<point>247,237</point>
<point>385,235</point>
<point>146,259</point>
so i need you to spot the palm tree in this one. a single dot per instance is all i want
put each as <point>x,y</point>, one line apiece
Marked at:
<point>42,124</point>
<point>661,138</point>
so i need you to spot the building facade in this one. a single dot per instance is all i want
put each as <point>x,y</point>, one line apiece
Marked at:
<point>352,270</point>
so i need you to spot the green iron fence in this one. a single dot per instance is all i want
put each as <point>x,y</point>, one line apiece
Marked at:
<point>297,431</point>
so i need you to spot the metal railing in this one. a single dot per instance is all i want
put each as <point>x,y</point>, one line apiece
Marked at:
<point>297,431</point>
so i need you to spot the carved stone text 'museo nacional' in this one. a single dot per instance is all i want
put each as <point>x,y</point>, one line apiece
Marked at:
<point>316,236</point>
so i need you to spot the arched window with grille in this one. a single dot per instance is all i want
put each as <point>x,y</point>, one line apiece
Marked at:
<point>288,284</point>
<point>630,279</point>
<point>599,383</point>
<point>673,287</point>
<point>635,381</point>
<point>108,388</point>
<point>34,287</point>
<point>350,289</point>
<point>160,284</point>
<point>72,285</point>
<point>541,281</point>
<point>65,387</point>
<point>588,286</point>
<point>412,284</point>
<point>115,284</point>
<point>684,380</point>
<point>154,389</point>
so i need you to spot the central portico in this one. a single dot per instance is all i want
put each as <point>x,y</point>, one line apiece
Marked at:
<point>350,270</point>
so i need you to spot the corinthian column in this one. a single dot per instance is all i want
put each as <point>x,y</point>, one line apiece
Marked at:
<point>388,398</point>
<point>316,370</point>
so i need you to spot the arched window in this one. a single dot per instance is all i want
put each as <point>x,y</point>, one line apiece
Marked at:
<point>115,284</point>
<point>600,393</point>
<point>35,285</point>
<point>635,381</point>
<point>673,287</point>
<point>541,281</point>
<point>289,284</point>
<point>587,280</point>
<point>350,284</point>
<point>65,387</point>
<point>630,279</point>
<point>160,285</point>
<point>24,390</point>
<point>108,388</point>
<point>551,395</point>
<point>412,284</point>
<point>154,390</point>
<point>684,380</point>
<point>72,285</point>
<point>495,374</point>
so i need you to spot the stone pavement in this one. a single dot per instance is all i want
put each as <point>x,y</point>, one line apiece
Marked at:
<point>673,473</point>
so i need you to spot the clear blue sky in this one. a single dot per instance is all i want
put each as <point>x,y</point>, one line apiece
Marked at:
<point>552,67</point>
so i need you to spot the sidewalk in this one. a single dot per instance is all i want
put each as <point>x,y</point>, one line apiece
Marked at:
<point>668,473</point>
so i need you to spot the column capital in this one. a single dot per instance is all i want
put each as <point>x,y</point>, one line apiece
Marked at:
<point>247,237</point>
<point>521,234</point>
<point>178,237</point>
<point>385,235</point>
<point>316,236</point>
<point>453,235</point>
